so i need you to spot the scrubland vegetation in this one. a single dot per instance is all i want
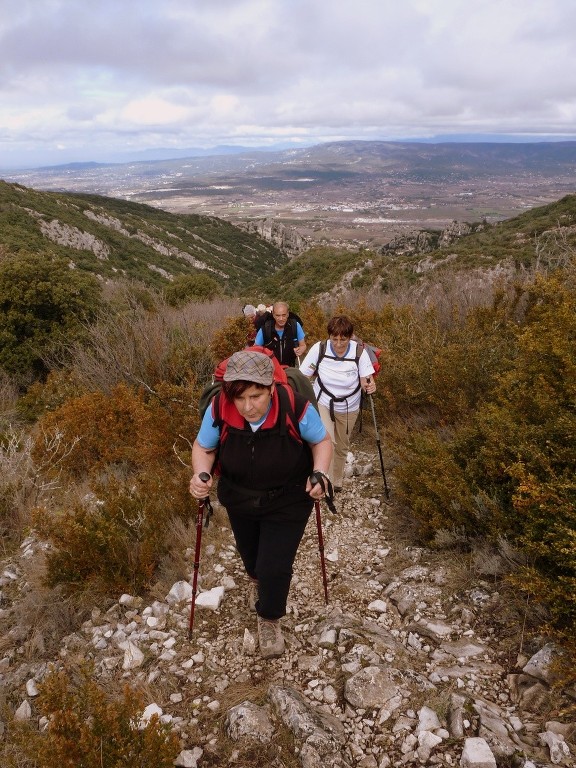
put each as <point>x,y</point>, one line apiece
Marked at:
<point>98,390</point>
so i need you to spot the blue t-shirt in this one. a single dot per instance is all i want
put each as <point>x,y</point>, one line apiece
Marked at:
<point>259,340</point>
<point>311,428</point>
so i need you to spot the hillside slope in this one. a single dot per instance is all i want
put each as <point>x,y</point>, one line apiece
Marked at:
<point>478,252</point>
<point>114,238</point>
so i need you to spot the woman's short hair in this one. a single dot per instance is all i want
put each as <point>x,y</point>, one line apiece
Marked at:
<point>232,389</point>
<point>340,325</point>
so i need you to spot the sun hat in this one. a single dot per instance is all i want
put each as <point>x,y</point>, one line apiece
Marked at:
<point>249,366</point>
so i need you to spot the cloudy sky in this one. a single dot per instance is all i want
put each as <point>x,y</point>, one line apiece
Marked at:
<point>96,79</point>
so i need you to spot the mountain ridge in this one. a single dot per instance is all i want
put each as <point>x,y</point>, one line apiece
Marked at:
<point>115,238</point>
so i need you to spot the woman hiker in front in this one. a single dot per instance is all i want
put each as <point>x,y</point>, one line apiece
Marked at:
<point>339,375</point>
<point>267,451</point>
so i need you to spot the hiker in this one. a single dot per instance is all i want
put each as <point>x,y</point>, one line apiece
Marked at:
<point>282,334</point>
<point>339,377</point>
<point>250,313</point>
<point>264,481</point>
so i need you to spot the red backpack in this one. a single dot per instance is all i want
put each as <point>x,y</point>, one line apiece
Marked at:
<point>225,413</point>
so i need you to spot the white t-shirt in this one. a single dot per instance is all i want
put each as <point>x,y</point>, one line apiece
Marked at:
<point>339,376</point>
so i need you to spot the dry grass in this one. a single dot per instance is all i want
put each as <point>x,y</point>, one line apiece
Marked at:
<point>41,617</point>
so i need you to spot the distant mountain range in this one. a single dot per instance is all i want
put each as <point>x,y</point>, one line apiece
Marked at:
<point>42,158</point>
<point>357,157</point>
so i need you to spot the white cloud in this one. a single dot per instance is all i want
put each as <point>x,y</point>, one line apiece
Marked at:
<point>105,75</point>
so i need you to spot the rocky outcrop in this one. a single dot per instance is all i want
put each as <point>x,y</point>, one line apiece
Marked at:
<point>72,237</point>
<point>287,239</point>
<point>425,241</point>
<point>402,667</point>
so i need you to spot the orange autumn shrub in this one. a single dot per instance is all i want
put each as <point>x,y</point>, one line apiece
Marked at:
<point>90,728</point>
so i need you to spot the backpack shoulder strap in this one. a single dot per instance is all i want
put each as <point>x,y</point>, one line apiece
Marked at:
<point>359,350</point>
<point>333,399</point>
<point>292,406</point>
<point>268,329</point>
<point>216,411</point>
<point>321,352</point>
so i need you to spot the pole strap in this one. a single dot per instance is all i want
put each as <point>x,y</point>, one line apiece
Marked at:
<point>319,478</point>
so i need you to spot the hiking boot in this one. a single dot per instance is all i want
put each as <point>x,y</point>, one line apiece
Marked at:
<point>270,638</point>
<point>252,595</point>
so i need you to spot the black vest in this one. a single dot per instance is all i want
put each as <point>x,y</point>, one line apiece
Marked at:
<point>281,346</point>
<point>266,470</point>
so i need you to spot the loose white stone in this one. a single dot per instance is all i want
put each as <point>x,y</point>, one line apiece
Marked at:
<point>31,688</point>
<point>427,720</point>
<point>477,754</point>
<point>426,743</point>
<point>378,606</point>
<point>211,598</point>
<point>188,758</point>
<point>133,656</point>
<point>180,591</point>
<point>130,601</point>
<point>328,638</point>
<point>330,694</point>
<point>559,750</point>
<point>149,711</point>
<point>24,711</point>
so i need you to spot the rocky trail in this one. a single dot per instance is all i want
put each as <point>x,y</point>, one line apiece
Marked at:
<point>417,659</point>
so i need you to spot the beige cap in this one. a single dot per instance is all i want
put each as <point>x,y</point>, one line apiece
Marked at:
<point>250,366</point>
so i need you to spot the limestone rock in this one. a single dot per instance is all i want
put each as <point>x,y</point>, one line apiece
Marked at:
<point>249,721</point>
<point>371,687</point>
<point>477,754</point>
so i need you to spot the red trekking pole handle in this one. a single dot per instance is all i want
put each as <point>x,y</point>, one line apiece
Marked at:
<point>204,476</point>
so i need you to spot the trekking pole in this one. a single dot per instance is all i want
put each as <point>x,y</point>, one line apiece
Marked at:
<point>321,550</point>
<point>386,491</point>
<point>203,503</point>
<point>314,479</point>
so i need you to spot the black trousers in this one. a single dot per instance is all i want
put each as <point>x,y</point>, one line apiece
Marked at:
<point>268,549</point>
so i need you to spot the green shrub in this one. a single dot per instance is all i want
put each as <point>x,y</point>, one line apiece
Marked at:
<point>42,302</point>
<point>191,288</point>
